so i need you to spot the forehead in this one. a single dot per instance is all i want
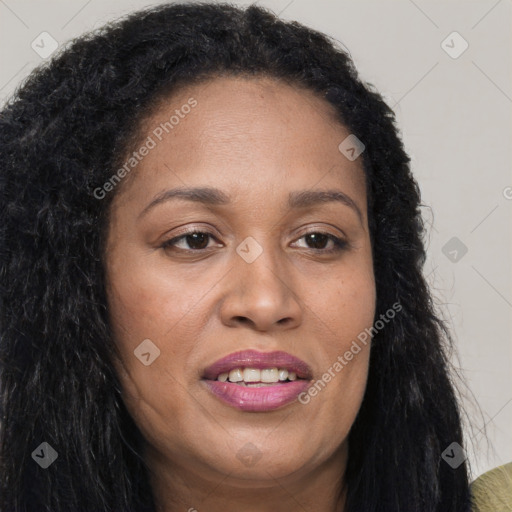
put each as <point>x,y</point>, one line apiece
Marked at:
<point>242,112</point>
<point>245,135</point>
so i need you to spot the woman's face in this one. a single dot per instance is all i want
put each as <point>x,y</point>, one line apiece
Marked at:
<point>261,273</point>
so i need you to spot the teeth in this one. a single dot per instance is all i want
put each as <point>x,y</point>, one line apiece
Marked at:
<point>254,384</point>
<point>235,375</point>
<point>255,377</point>
<point>252,375</point>
<point>270,375</point>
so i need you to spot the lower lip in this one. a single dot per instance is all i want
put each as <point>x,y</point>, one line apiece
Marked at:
<point>265,398</point>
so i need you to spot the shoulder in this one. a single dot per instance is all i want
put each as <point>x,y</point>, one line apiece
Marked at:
<point>492,491</point>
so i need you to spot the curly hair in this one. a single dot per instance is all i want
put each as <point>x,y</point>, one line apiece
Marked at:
<point>62,134</point>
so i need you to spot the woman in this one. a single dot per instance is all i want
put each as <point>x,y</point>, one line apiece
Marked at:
<point>212,290</point>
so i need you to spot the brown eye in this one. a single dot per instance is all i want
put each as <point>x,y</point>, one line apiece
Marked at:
<point>197,241</point>
<point>317,241</point>
<point>194,241</point>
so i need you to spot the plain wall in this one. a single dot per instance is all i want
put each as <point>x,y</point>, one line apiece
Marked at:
<point>455,118</point>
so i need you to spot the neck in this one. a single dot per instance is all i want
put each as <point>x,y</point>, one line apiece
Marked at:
<point>186,488</point>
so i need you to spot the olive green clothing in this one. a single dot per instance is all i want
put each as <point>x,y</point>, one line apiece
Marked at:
<point>492,491</point>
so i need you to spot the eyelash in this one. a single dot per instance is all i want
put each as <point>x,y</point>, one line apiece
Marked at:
<point>339,244</point>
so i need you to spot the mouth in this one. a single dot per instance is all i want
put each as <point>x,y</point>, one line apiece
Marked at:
<point>258,381</point>
<point>258,377</point>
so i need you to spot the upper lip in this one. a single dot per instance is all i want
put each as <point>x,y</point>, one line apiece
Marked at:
<point>260,360</point>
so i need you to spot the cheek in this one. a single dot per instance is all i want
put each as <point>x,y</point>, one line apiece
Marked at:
<point>149,301</point>
<point>348,310</point>
<point>145,301</point>
<point>146,304</point>
<point>349,307</point>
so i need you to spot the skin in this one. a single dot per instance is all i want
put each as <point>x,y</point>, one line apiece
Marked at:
<point>256,139</point>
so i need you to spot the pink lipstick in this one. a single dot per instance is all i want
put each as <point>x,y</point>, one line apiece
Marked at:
<point>258,381</point>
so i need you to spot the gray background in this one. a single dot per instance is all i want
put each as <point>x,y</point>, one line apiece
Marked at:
<point>455,119</point>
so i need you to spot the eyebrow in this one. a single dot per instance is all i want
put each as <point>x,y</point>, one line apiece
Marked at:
<point>215,197</point>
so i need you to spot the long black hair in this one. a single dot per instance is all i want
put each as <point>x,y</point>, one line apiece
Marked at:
<point>62,134</point>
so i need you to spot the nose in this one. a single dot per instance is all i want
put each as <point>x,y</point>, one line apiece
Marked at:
<point>262,294</point>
